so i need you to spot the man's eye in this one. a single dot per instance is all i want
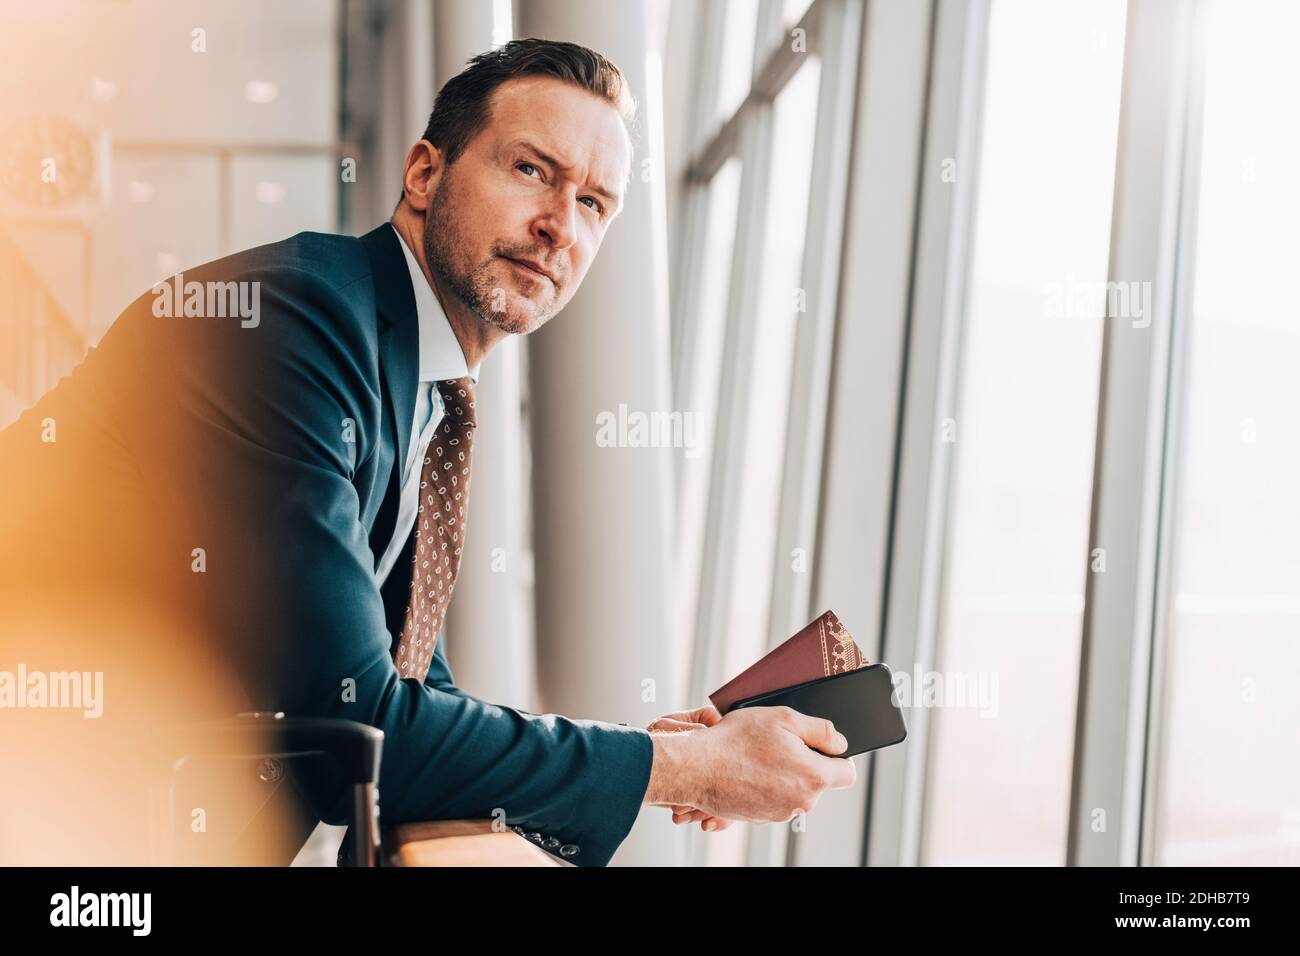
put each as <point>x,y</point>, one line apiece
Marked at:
<point>525,166</point>
<point>595,203</point>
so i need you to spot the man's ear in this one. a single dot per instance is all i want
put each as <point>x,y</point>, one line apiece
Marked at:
<point>424,169</point>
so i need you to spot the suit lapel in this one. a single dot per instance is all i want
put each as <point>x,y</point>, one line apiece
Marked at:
<point>399,360</point>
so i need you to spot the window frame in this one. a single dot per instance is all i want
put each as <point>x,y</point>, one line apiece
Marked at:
<point>920,511</point>
<point>1154,179</point>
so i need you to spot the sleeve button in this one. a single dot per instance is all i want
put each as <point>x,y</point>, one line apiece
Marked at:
<point>550,843</point>
<point>569,849</point>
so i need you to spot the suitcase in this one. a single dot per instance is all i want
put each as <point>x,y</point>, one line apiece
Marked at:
<point>268,742</point>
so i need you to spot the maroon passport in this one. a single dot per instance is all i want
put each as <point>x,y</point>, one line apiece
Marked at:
<point>821,649</point>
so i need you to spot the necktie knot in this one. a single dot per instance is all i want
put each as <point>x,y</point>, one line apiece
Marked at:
<point>458,400</point>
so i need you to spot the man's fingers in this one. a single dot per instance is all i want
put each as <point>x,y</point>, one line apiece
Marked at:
<point>705,716</point>
<point>673,725</point>
<point>708,822</point>
<point>708,715</point>
<point>816,732</point>
<point>842,773</point>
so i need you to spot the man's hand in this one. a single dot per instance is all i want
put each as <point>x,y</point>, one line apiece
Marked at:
<point>685,720</point>
<point>761,764</point>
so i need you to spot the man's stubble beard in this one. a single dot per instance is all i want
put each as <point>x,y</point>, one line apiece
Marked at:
<point>471,283</point>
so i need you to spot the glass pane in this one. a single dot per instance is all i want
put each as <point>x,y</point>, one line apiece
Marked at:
<point>709,322</point>
<point>1228,774</point>
<point>999,779</point>
<point>737,66</point>
<point>776,318</point>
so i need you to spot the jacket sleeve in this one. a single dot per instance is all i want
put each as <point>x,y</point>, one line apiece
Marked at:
<point>290,582</point>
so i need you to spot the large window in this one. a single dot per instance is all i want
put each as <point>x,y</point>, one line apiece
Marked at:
<point>1083,538</point>
<point>1023,435</point>
<point>1228,772</point>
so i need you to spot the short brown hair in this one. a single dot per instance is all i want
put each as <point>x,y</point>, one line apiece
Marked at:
<point>461,110</point>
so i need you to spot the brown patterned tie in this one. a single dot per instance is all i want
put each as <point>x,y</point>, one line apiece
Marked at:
<point>439,528</point>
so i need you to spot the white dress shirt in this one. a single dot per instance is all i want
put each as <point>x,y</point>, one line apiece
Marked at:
<point>441,358</point>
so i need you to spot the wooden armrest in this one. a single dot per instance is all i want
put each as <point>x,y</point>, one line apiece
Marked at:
<point>460,843</point>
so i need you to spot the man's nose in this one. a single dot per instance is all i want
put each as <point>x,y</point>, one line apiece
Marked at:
<point>556,224</point>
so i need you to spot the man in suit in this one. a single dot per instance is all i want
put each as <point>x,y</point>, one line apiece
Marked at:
<point>275,455</point>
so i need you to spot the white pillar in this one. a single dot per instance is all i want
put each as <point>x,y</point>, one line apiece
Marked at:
<point>602,516</point>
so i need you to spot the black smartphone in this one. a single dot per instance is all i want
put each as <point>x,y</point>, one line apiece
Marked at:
<point>860,703</point>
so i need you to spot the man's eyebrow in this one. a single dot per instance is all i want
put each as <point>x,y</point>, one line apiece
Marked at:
<point>610,197</point>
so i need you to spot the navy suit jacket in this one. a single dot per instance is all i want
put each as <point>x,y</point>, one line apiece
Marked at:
<point>273,446</point>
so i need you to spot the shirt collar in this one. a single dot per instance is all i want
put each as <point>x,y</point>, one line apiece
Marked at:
<point>441,356</point>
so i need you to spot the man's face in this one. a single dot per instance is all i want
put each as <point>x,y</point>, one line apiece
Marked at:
<point>540,183</point>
